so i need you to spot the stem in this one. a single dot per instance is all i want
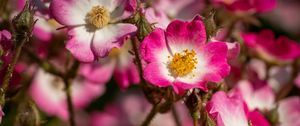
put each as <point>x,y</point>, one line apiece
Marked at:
<point>175,115</point>
<point>151,115</point>
<point>137,57</point>
<point>8,75</point>
<point>195,118</point>
<point>69,100</point>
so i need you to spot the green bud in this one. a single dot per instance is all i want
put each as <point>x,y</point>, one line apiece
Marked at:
<point>210,24</point>
<point>23,22</point>
<point>144,27</point>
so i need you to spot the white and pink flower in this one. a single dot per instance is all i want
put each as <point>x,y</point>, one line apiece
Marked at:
<point>289,111</point>
<point>231,111</point>
<point>181,58</point>
<point>94,26</point>
<point>48,92</point>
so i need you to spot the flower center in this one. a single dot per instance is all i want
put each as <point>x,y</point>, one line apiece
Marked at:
<point>182,63</point>
<point>99,16</point>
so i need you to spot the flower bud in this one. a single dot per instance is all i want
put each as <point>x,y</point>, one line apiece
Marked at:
<point>144,27</point>
<point>28,115</point>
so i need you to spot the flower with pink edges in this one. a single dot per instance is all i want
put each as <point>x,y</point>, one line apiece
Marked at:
<point>94,26</point>
<point>48,92</point>
<point>289,111</point>
<point>248,6</point>
<point>119,63</point>
<point>181,58</point>
<point>231,111</point>
<point>280,50</point>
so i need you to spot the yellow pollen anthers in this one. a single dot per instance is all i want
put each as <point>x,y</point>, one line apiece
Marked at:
<point>99,16</point>
<point>182,63</point>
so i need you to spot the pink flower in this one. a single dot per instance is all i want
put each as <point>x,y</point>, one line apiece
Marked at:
<point>158,18</point>
<point>273,50</point>
<point>48,92</point>
<point>262,98</point>
<point>180,9</point>
<point>119,63</point>
<point>179,57</point>
<point>231,111</point>
<point>246,5</point>
<point>289,111</point>
<point>94,27</point>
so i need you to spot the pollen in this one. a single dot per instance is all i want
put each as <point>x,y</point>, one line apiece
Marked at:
<point>181,64</point>
<point>99,16</point>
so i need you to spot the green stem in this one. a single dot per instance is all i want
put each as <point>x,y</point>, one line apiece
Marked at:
<point>151,115</point>
<point>195,116</point>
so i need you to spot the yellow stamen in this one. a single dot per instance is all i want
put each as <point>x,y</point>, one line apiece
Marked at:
<point>99,16</point>
<point>182,63</point>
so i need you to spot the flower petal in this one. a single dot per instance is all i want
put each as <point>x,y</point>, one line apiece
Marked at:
<point>158,74</point>
<point>79,44</point>
<point>110,36</point>
<point>289,111</point>
<point>70,12</point>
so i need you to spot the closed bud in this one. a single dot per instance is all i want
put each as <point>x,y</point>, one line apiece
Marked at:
<point>144,27</point>
<point>23,22</point>
<point>210,24</point>
<point>193,102</point>
<point>28,115</point>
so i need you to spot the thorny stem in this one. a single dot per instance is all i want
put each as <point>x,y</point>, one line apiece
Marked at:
<point>8,75</point>
<point>175,115</point>
<point>134,43</point>
<point>151,115</point>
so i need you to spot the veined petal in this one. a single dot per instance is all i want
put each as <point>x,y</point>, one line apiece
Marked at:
<point>79,44</point>
<point>110,36</point>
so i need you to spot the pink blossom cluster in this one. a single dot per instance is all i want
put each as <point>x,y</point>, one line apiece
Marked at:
<point>147,62</point>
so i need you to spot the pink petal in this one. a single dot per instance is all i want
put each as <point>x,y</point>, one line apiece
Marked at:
<point>182,33</point>
<point>70,12</point>
<point>157,74</point>
<point>99,73</point>
<point>110,36</point>
<point>289,111</point>
<point>226,111</point>
<point>126,76</point>
<point>264,5</point>
<point>158,18</point>
<point>153,45</point>
<point>79,44</point>
<point>257,119</point>
<point>215,53</point>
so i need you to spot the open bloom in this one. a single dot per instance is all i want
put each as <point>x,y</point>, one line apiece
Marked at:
<point>246,5</point>
<point>94,27</point>
<point>179,57</point>
<point>231,111</point>
<point>48,92</point>
<point>267,47</point>
<point>119,63</point>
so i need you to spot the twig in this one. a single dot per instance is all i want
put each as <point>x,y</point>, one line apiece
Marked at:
<point>175,115</point>
<point>151,115</point>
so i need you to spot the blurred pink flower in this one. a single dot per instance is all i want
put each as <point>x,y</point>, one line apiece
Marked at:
<point>289,111</point>
<point>48,92</point>
<point>179,9</point>
<point>157,17</point>
<point>249,6</point>
<point>262,98</point>
<point>297,81</point>
<point>132,109</point>
<point>94,27</point>
<point>179,57</point>
<point>231,111</point>
<point>1,114</point>
<point>119,63</point>
<point>278,50</point>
